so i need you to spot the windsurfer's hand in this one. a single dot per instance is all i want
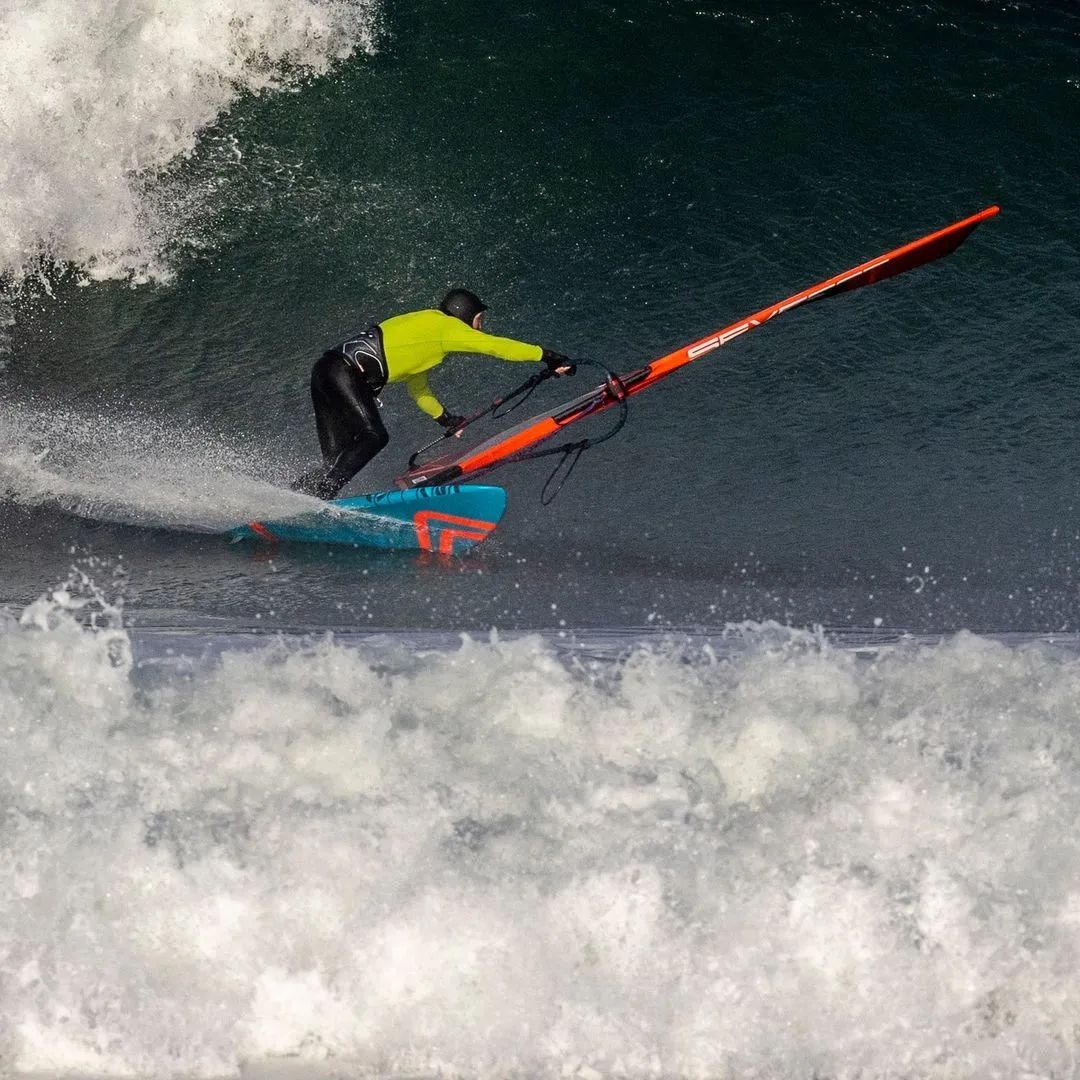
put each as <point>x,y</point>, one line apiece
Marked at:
<point>453,423</point>
<point>557,364</point>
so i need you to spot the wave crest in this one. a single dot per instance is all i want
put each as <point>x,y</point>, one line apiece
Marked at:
<point>102,95</point>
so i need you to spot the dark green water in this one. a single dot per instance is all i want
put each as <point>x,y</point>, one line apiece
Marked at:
<point>615,180</point>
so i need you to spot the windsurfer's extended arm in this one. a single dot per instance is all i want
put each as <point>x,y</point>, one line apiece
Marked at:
<point>476,341</point>
<point>457,337</point>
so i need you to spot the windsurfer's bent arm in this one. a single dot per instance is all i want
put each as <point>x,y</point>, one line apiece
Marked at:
<point>420,392</point>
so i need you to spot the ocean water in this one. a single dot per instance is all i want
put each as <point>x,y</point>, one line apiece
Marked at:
<point>179,249</point>
<point>754,754</point>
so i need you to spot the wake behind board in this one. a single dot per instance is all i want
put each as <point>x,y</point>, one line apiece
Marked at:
<point>449,519</point>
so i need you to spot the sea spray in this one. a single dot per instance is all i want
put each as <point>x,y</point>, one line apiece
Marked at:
<point>100,96</point>
<point>122,466</point>
<point>775,859</point>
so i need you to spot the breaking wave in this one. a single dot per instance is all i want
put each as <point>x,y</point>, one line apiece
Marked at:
<point>101,96</point>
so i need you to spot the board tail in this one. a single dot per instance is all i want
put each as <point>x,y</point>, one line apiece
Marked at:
<point>519,440</point>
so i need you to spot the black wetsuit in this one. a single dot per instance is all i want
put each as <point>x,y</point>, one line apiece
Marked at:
<point>345,383</point>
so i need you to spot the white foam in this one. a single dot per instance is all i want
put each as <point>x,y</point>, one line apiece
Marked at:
<point>101,95</point>
<point>781,862</point>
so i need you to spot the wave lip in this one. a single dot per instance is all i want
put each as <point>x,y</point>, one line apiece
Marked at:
<point>102,95</point>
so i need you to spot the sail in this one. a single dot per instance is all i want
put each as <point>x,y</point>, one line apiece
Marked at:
<point>519,440</point>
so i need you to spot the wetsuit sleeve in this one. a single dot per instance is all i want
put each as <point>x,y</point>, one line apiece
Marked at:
<point>462,338</point>
<point>420,391</point>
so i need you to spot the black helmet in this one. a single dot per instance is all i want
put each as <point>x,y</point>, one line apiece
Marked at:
<point>463,305</point>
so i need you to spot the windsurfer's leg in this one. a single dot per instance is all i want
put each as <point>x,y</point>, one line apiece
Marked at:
<point>347,420</point>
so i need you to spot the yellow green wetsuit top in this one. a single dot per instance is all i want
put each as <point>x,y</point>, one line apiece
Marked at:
<point>416,342</point>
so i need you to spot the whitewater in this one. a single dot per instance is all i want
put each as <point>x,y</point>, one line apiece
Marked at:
<point>102,97</point>
<point>762,855</point>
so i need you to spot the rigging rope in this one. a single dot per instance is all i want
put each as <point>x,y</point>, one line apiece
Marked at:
<point>521,393</point>
<point>571,452</point>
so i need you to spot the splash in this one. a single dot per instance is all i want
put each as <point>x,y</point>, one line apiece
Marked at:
<point>135,469</point>
<point>101,95</point>
<point>778,861</point>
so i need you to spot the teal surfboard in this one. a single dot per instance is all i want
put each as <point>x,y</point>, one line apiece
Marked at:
<point>449,519</point>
